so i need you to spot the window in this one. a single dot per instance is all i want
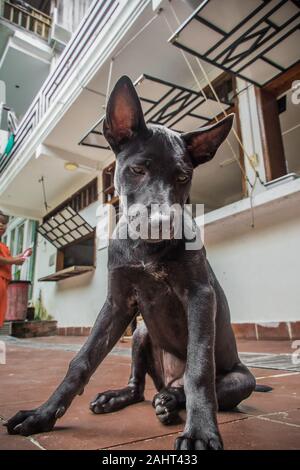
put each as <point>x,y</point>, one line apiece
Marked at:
<point>71,234</point>
<point>79,200</point>
<point>81,253</point>
<point>21,234</point>
<point>17,247</point>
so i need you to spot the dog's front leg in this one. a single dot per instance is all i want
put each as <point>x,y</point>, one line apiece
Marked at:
<point>109,326</point>
<point>201,429</point>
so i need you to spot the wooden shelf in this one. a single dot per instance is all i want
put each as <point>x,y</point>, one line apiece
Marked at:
<point>66,273</point>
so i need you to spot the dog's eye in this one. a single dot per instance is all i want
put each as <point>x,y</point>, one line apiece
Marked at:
<point>182,178</point>
<point>137,170</point>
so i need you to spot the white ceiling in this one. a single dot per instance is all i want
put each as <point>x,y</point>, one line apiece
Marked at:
<point>59,184</point>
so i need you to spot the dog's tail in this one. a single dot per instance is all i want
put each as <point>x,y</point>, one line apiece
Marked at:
<point>263,388</point>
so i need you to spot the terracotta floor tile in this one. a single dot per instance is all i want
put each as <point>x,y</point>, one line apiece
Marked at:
<point>30,375</point>
<point>248,434</point>
<point>284,396</point>
<point>291,417</point>
<point>260,434</point>
<point>268,346</point>
<point>14,442</point>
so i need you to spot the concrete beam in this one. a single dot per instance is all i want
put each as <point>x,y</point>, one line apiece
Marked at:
<point>21,211</point>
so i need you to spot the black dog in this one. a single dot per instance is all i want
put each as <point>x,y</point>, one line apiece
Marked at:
<point>186,344</point>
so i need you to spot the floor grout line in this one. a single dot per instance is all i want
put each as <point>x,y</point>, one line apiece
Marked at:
<point>263,418</point>
<point>28,438</point>
<point>36,443</point>
<point>278,375</point>
<point>141,440</point>
<point>170,434</point>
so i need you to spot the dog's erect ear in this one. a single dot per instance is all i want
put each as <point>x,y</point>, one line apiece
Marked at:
<point>124,116</point>
<point>203,143</point>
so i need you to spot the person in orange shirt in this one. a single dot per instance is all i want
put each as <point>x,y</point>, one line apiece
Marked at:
<point>6,262</point>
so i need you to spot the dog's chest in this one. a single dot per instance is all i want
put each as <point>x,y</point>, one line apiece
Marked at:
<point>162,303</point>
<point>158,278</point>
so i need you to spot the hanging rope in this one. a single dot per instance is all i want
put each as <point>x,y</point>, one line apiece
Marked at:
<point>146,25</point>
<point>206,99</point>
<point>256,173</point>
<point>42,181</point>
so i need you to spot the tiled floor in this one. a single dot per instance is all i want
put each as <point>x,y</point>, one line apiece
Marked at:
<point>34,367</point>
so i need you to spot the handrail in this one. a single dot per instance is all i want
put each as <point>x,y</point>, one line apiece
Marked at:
<point>82,41</point>
<point>28,18</point>
<point>30,7</point>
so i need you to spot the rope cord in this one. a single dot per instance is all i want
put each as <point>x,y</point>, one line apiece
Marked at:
<point>206,99</point>
<point>256,173</point>
<point>216,97</point>
<point>137,34</point>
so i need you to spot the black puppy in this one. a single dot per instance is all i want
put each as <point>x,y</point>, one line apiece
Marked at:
<point>186,344</point>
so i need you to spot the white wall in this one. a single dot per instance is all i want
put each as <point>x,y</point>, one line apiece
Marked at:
<point>75,301</point>
<point>259,268</point>
<point>71,12</point>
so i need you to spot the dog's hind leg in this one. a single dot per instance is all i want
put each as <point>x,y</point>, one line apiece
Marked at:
<point>234,387</point>
<point>113,400</point>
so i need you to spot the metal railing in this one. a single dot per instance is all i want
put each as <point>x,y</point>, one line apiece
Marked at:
<point>81,42</point>
<point>27,17</point>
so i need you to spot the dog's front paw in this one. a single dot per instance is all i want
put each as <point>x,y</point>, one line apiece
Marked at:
<point>31,422</point>
<point>199,441</point>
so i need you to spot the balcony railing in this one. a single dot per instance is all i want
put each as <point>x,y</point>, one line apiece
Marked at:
<point>81,42</point>
<point>27,17</point>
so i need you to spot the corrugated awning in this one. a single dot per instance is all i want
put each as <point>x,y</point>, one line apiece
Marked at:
<point>256,40</point>
<point>165,103</point>
<point>65,227</point>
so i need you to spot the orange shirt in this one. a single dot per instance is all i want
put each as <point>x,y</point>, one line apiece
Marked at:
<point>5,269</point>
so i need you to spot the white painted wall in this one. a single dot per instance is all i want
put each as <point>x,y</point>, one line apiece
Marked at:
<point>259,268</point>
<point>78,300</point>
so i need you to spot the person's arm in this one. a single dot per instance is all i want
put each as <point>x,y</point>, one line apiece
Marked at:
<point>18,260</point>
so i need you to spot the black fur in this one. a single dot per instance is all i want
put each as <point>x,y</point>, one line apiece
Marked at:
<point>186,344</point>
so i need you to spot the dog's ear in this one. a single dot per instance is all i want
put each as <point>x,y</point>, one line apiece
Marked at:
<point>203,143</point>
<point>124,116</point>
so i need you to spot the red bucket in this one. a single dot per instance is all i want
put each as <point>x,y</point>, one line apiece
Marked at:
<point>17,301</point>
